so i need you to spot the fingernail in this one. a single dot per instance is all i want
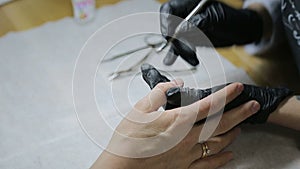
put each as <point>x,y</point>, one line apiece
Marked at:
<point>255,107</point>
<point>240,88</point>
<point>178,82</point>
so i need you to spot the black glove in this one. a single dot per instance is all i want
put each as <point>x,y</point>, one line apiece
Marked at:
<point>152,76</point>
<point>222,24</point>
<point>268,98</point>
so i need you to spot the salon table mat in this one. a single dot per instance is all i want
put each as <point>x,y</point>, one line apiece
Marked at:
<point>38,124</point>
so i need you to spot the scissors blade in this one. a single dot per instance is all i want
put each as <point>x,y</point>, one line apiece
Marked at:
<point>126,53</point>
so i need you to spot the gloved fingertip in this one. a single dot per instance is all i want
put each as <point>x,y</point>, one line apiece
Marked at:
<point>193,62</point>
<point>187,51</point>
<point>190,56</point>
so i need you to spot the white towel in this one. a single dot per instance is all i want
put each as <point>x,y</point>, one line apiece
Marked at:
<point>38,124</point>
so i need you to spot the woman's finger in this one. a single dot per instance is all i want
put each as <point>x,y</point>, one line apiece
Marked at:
<point>235,116</point>
<point>219,143</point>
<point>213,103</point>
<point>212,162</point>
<point>157,97</point>
<point>215,144</point>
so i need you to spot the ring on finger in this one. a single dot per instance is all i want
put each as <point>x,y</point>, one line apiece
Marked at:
<point>205,150</point>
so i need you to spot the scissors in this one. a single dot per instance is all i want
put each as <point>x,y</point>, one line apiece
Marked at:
<point>153,42</point>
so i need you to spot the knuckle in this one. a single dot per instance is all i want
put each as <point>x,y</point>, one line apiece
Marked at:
<point>219,147</point>
<point>205,106</point>
<point>161,86</point>
<point>173,115</point>
<point>218,140</point>
<point>143,105</point>
<point>224,124</point>
<point>186,142</point>
<point>170,117</point>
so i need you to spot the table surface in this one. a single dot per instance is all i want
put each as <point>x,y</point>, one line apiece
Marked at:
<point>276,68</point>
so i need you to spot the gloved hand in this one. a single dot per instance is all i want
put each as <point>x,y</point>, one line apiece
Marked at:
<point>222,24</point>
<point>152,76</point>
<point>268,98</point>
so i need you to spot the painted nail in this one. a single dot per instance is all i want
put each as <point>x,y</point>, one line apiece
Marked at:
<point>240,88</point>
<point>255,107</point>
<point>178,82</point>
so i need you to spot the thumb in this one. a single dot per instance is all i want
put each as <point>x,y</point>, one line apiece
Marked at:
<point>157,97</point>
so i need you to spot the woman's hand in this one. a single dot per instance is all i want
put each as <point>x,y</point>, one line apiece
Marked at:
<point>170,139</point>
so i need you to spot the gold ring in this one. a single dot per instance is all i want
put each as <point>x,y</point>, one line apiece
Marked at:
<point>205,150</point>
